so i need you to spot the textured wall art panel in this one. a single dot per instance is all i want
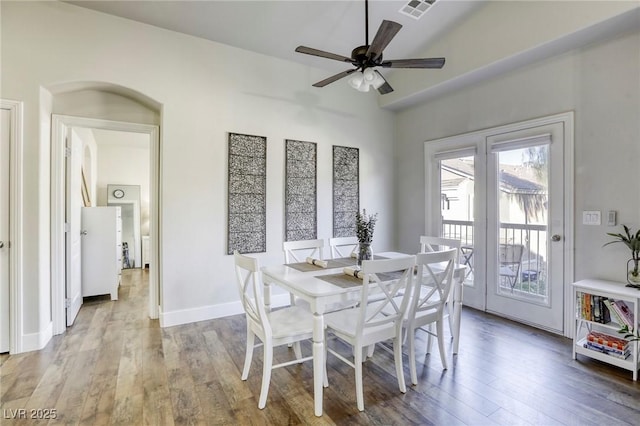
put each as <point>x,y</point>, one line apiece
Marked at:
<point>346,190</point>
<point>300,191</point>
<point>247,225</point>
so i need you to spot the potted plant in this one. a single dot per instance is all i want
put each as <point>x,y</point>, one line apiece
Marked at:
<point>364,231</point>
<point>632,241</point>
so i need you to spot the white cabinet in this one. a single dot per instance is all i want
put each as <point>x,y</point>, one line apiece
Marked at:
<point>145,251</point>
<point>586,323</point>
<point>101,251</point>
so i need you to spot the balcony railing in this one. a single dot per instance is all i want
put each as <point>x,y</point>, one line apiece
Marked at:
<point>531,274</point>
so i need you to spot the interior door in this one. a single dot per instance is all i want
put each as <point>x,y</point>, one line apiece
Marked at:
<point>74,222</point>
<point>4,229</point>
<point>525,225</point>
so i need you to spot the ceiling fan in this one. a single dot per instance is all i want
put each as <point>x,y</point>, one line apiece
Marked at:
<point>365,58</point>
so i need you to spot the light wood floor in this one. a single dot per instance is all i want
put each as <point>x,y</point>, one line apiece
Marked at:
<point>115,366</point>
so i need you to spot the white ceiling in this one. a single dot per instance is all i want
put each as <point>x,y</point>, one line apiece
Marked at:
<point>275,28</point>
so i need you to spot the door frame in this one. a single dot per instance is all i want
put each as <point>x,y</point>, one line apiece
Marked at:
<point>16,112</point>
<point>60,123</point>
<point>477,141</point>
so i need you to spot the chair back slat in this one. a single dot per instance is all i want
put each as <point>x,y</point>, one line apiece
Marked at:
<point>434,281</point>
<point>343,246</point>
<point>430,244</point>
<point>391,279</point>
<point>249,280</point>
<point>298,251</point>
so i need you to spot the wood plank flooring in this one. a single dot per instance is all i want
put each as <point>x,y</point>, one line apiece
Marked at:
<point>115,366</point>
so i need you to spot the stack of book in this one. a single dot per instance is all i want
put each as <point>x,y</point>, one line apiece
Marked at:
<point>610,345</point>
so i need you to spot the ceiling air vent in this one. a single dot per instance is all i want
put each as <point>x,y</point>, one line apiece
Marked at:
<point>416,8</point>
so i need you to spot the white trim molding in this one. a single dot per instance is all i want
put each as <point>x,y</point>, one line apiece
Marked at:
<point>37,341</point>
<point>203,313</point>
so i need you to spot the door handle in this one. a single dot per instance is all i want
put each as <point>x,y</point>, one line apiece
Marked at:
<point>83,232</point>
<point>556,238</point>
<point>1,244</point>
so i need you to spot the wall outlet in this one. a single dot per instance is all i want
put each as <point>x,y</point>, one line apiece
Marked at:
<point>591,217</point>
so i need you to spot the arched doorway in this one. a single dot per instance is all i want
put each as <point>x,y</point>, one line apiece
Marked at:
<point>105,107</point>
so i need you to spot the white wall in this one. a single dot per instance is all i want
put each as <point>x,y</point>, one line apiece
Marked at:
<point>123,160</point>
<point>205,90</point>
<point>601,84</point>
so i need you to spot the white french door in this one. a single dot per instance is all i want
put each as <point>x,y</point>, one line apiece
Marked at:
<point>525,225</point>
<point>506,193</point>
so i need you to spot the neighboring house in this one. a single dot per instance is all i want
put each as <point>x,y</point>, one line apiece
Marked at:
<point>523,202</point>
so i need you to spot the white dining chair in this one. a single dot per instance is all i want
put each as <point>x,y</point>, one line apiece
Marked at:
<point>298,251</point>
<point>431,291</point>
<point>343,247</point>
<point>366,325</point>
<point>429,244</point>
<point>288,325</point>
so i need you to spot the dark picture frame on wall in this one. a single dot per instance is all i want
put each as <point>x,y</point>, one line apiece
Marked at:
<point>346,190</point>
<point>246,197</point>
<point>301,212</point>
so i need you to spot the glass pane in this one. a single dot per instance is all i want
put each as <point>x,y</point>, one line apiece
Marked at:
<point>456,205</point>
<point>523,207</point>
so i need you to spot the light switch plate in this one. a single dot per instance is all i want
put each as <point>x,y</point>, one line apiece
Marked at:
<point>611,218</point>
<point>591,217</point>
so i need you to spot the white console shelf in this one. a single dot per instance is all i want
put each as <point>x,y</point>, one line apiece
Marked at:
<point>612,291</point>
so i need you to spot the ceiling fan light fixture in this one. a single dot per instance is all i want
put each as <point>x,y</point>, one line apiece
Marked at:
<point>369,75</point>
<point>357,80</point>
<point>364,87</point>
<point>378,81</point>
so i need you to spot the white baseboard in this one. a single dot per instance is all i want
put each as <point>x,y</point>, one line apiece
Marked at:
<point>37,341</point>
<point>203,313</point>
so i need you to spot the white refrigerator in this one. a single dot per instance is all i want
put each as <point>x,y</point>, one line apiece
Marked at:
<point>101,251</point>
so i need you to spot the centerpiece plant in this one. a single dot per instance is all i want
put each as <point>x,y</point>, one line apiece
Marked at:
<point>365,225</point>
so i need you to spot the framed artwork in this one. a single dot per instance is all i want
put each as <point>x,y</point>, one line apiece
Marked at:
<point>346,190</point>
<point>300,191</point>
<point>247,189</point>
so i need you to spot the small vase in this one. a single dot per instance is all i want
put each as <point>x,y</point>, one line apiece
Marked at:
<point>364,253</point>
<point>633,273</point>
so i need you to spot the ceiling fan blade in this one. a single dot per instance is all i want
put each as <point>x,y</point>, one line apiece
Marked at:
<point>386,87</point>
<point>321,53</point>
<point>386,32</point>
<point>414,63</point>
<point>334,78</point>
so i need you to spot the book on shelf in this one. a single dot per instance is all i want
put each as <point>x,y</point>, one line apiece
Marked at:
<point>616,316</point>
<point>592,308</point>
<point>625,313</point>
<point>608,340</point>
<point>616,353</point>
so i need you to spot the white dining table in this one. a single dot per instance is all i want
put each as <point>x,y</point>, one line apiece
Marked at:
<point>320,294</point>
